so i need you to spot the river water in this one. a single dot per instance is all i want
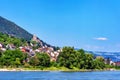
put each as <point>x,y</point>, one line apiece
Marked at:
<point>56,75</point>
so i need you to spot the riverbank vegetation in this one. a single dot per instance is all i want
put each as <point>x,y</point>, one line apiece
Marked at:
<point>71,59</point>
<point>68,59</point>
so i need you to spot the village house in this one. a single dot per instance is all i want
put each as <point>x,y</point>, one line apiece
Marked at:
<point>112,63</point>
<point>117,63</point>
<point>2,48</point>
<point>109,62</point>
<point>10,47</point>
<point>1,45</point>
<point>28,50</point>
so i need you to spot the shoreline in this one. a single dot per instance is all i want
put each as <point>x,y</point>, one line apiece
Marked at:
<point>48,70</point>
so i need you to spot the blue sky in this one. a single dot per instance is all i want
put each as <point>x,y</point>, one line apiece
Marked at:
<point>89,24</point>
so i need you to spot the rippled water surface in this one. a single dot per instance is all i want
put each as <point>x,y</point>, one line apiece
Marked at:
<point>103,75</point>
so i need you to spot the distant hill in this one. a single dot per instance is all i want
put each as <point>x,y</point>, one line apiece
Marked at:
<point>114,56</point>
<point>12,29</point>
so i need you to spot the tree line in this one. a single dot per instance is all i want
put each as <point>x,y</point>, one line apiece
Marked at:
<point>69,58</point>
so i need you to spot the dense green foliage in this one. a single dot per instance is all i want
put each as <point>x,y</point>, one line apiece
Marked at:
<point>40,59</point>
<point>6,39</point>
<point>12,58</point>
<point>15,58</point>
<point>71,58</point>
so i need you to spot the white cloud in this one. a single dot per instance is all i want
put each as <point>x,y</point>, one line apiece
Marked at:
<point>101,38</point>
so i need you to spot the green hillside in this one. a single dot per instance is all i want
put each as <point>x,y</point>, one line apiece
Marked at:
<point>6,39</point>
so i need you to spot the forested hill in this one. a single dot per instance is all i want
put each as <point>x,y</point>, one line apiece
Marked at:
<point>12,29</point>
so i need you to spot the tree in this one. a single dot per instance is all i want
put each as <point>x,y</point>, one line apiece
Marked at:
<point>98,63</point>
<point>71,58</point>
<point>40,59</point>
<point>34,61</point>
<point>81,57</point>
<point>12,58</point>
<point>44,59</point>
<point>66,57</point>
<point>89,61</point>
<point>17,62</point>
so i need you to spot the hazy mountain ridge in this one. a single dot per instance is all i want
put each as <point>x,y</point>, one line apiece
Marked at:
<point>12,29</point>
<point>114,56</point>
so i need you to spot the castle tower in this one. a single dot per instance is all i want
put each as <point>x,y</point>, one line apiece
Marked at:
<point>37,40</point>
<point>34,38</point>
